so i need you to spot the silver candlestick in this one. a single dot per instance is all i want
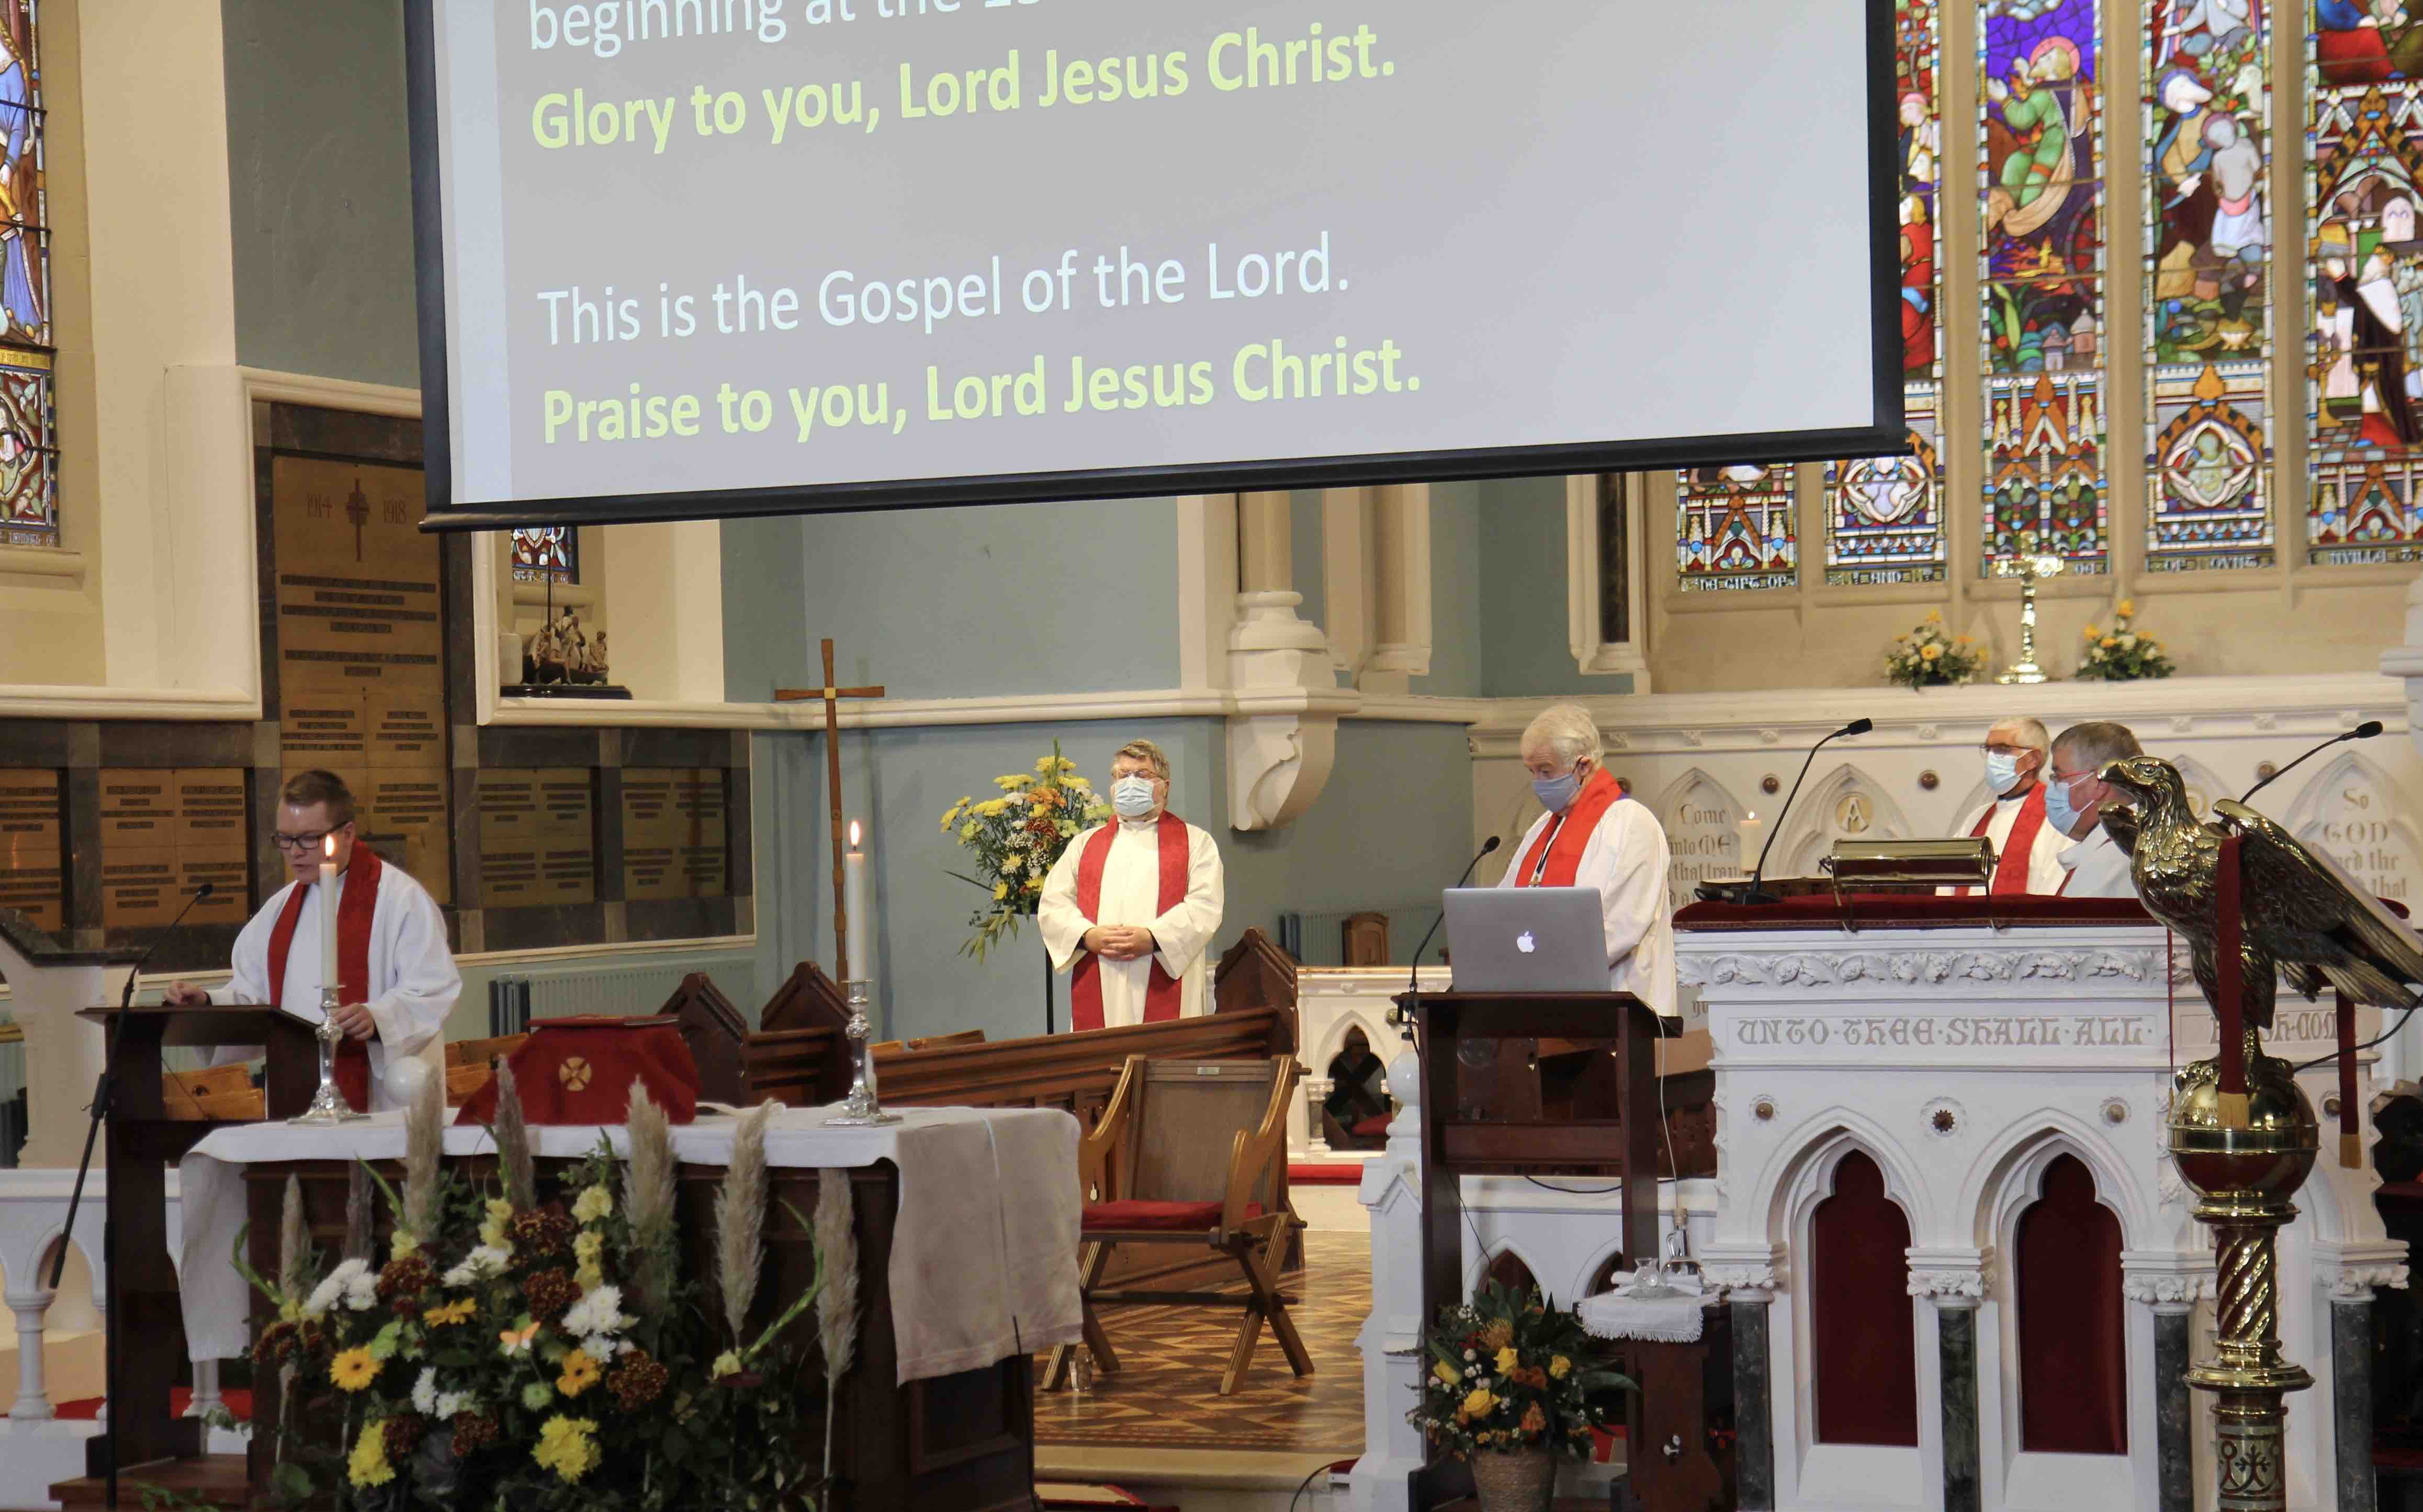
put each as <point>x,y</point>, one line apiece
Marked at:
<point>2028,570</point>
<point>861,1108</point>
<point>328,1105</point>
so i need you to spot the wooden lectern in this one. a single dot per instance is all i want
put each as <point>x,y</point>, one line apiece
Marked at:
<point>146,1329</point>
<point>1455,1146</point>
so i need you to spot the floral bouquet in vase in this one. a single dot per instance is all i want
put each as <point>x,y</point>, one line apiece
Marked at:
<point>2121,654</point>
<point>1515,1385</point>
<point>1017,836</point>
<point>1929,658</point>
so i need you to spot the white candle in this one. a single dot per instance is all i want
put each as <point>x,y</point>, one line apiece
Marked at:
<point>854,902</point>
<point>328,913</point>
<point>1753,834</point>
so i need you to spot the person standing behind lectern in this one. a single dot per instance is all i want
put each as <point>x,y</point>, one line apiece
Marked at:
<point>1130,906</point>
<point>2027,850</point>
<point>1592,835</point>
<point>396,978</point>
<point>2092,864</point>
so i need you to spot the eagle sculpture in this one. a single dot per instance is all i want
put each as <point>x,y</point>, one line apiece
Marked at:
<point>2303,918</point>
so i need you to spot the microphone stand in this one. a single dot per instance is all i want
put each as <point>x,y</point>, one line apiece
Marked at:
<point>104,1089</point>
<point>2363,731</point>
<point>1753,893</point>
<point>1404,1013</point>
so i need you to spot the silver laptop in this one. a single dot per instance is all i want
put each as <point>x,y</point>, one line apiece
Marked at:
<point>1527,939</point>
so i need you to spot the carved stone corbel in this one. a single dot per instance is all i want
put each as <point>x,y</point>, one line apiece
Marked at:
<point>1283,737</point>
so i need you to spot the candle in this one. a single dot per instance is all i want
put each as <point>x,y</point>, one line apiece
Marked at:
<point>854,902</point>
<point>1752,835</point>
<point>328,913</point>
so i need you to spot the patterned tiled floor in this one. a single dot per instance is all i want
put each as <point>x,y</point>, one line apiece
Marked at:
<point>1166,1395</point>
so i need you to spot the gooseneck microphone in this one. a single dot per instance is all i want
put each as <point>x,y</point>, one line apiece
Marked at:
<point>1403,1015</point>
<point>2363,731</point>
<point>1753,893</point>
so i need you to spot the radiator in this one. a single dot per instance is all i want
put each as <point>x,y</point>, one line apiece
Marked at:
<point>1317,938</point>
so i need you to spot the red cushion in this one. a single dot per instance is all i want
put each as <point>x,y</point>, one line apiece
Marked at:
<point>1177,1217</point>
<point>1365,1128</point>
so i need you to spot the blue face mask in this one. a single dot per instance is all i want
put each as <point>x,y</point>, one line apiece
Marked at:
<point>2058,809</point>
<point>1556,794</point>
<point>1132,796</point>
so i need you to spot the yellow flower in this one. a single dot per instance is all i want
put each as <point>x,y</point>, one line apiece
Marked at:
<point>1447,1374</point>
<point>565,1446</point>
<point>353,1370</point>
<point>579,1374</point>
<point>2128,608</point>
<point>726,1363</point>
<point>368,1464</point>
<point>1935,616</point>
<point>1000,891</point>
<point>968,830</point>
<point>492,1230</point>
<point>1479,1403</point>
<point>1930,652</point>
<point>588,1247</point>
<point>1560,1367</point>
<point>1033,884</point>
<point>993,807</point>
<point>457,1311</point>
<point>593,1203</point>
<point>1506,1359</point>
<point>401,1244</point>
<point>2093,634</point>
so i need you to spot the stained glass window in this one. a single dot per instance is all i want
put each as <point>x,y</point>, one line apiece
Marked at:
<point>547,554</point>
<point>1736,528</point>
<point>2363,372</point>
<point>2208,285</point>
<point>1884,515</point>
<point>2042,280</point>
<point>29,504</point>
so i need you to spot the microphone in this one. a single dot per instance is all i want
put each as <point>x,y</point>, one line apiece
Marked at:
<point>1753,893</point>
<point>2363,731</point>
<point>1403,1018</point>
<point>101,1090</point>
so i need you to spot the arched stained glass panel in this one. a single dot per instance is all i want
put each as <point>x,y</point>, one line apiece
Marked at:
<point>29,500</point>
<point>1736,528</point>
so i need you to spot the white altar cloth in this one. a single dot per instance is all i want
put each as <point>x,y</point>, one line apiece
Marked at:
<point>984,1253</point>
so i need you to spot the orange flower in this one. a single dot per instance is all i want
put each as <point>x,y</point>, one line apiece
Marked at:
<point>1533,1419</point>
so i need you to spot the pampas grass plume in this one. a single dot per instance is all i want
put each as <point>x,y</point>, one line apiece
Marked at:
<point>424,1143</point>
<point>294,1243</point>
<point>740,1219</point>
<point>513,1164</point>
<point>838,1300</point>
<point>357,1212</point>
<point>648,1197</point>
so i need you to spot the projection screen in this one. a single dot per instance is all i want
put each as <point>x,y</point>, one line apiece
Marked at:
<point>684,257</point>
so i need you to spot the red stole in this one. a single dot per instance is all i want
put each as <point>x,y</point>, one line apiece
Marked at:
<point>354,908</point>
<point>2011,868</point>
<point>1566,837</point>
<point>1160,996</point>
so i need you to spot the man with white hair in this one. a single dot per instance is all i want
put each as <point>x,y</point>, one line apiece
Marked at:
<point>2028,849</point>
<point>1592,835</point>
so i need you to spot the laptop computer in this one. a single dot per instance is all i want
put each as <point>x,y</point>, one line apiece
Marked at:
<point>1527,939</point>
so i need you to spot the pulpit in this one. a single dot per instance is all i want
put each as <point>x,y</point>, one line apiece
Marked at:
<point>147,1329</point>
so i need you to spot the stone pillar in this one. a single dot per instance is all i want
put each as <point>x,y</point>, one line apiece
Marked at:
<point>1390,1340</point>
<point>1957,1292</point>
<point>2352,1378</point>
<point>32,1308</point>
<point>2173,1297</point>
<point>206,1390</point>
<point>1750,1291</point>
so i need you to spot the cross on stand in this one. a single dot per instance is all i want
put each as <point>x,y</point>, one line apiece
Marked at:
<point>832,698</point>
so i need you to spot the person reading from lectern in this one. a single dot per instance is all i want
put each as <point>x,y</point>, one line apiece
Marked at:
<point>2027,850</point>
<point>395,977</point>
<point>2092,864</point>
<point>1130,906</point>
<point>1592,835</point>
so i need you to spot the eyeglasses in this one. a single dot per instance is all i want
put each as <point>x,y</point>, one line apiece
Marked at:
<point>302,843</point>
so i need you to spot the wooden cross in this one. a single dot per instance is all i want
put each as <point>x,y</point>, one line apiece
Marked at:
<point>832,698</point>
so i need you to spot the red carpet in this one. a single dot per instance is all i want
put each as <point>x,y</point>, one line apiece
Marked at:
<point>238,1399</point>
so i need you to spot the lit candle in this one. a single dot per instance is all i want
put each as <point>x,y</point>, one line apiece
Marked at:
<point>854,902</point>
<point>328,911</point>
<point>1752,835</point>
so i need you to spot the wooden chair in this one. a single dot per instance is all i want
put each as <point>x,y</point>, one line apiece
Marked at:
<point>470,1064</point>
<point>218,1092</point>
<point>1363,940</point>
<point>1153,1172</point>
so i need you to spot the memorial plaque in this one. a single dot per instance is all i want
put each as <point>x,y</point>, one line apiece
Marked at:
<point>674,839</point>
<point>403,815</point>
<point>1704,838</point>
<point>163,834</point>
<point>508,838</point>
<point>33,862</point>
<point>139,810</point>
<point>567,834</point>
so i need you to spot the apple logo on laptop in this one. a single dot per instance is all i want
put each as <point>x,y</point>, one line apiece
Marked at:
<point>1525,943</point>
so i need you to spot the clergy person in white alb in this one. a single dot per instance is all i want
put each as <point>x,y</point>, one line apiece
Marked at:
<point>1130,906</point>
<point>1592,835</point>
<point>396,978</point>
<point>2093,865</point>
<point>2027,850</point>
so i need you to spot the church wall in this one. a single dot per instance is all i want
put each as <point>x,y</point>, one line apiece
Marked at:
<point>318,173</point>
<point>1457,528</point>
<point>1526,647</point>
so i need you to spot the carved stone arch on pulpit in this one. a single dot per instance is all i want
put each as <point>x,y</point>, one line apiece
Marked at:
<point>1500,1261</point>
<point>1333,1040</point>
<point>1849,1213</point>
<point>2058,1236</point>
<point>2356,812</point>
<point>1846,803</point>
<point>2005,1180</point>
<point>1700,815</point>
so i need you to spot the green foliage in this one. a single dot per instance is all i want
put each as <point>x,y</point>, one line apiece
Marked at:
<point>1512,1371</point>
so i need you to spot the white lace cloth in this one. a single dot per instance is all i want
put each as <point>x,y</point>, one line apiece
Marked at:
<point>1676,1318</point>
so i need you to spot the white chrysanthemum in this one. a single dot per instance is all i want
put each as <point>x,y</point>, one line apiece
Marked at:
<point>599,1311</point>
<point>604,1347</point>
<point>338,1284</point>
<point>486,1261</point>
<point>424,1392</point>
<point>361,1290</point>
<point>449,1403</point>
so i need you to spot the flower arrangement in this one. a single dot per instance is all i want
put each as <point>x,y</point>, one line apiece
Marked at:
<point>1927,657</point>
<point>1016,838</point>
<point>529,1348</point>
<point>2121,654</point>
<point>1510,1372</point>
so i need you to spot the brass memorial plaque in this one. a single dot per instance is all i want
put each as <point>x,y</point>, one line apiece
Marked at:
<point>164,832</point>
<point>537,836</point>
<point>673,839</point>
<point>33,876</point>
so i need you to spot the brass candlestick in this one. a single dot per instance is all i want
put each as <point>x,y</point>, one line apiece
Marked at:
<point>2244,1171</point>
<point>2028,570</point>
<point>861,1108</point>
<point>328,1105</point>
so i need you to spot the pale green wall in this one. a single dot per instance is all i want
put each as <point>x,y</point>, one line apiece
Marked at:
<point>1456,631</point>
<point>1522,584</point>
<point>318,173</point>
